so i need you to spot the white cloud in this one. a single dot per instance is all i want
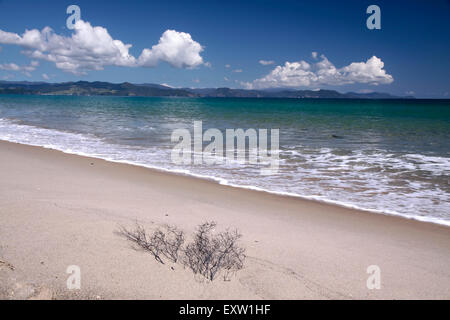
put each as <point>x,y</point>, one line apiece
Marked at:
<point>266,62</point>
<point>89,48</point>
<point>237,70</point>
<point>303,74</point>
<point>314,55</point>
<point>175,48</point>
<point>9,67</point>
<point>45,76</point>
<point>227,66</point>
<point>26,69</point>
<point>370,71</point>
<point>92,48</point>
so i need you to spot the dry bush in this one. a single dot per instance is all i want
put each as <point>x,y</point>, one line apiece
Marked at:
<point>139,236</point>
<point>167,243</point>
<point>172,241</point>
<point>210,254</point>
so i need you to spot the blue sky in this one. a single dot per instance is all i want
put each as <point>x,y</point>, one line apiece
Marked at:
<point>412,48</point>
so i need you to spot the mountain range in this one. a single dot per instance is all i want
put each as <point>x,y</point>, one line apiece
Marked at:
<point>84,88</point>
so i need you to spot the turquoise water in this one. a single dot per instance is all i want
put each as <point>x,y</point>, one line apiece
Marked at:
<point>387,156</point>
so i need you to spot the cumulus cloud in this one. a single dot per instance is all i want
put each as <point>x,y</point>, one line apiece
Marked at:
<point>9,67</point>
<point>93,48</point>
<point>89,48</point>
<point>314,54</point>
<point>303,74</point>
<point>25,68</point>
<point>175,48</point>
<point>45,76</point>
<point>266,62</point>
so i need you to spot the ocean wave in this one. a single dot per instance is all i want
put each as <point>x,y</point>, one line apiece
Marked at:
<point>327,174</point>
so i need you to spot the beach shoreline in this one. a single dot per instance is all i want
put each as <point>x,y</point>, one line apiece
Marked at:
<point>60,209</point>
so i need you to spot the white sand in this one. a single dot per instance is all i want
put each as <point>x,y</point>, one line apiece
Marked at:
<point>58,210</point>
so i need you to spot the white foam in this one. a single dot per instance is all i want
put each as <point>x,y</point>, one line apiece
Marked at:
<point>331,174</point>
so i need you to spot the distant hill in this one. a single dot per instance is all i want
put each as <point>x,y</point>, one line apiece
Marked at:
<point>374,95</point>
<point>241,93</point>
<point>84,88</point>
<point>297,94</point>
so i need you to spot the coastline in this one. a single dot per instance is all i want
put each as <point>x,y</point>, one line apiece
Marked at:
<point>61,209</point>
<point>222,181</point>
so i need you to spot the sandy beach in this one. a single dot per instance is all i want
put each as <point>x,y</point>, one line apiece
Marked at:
<point>58,210</point>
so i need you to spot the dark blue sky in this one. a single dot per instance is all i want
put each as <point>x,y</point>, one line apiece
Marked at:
<point>413,42</point>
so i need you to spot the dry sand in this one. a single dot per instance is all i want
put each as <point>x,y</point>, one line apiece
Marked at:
<point>58,210</point>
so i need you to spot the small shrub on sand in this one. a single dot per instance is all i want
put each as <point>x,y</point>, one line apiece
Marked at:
<point>172,241</point>
<point>138,235</point>
<point>211,254</point>
<point>208,254</point>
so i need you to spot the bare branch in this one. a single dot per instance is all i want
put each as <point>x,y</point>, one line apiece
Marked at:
<point>210,255</point>
<point>139,236</point>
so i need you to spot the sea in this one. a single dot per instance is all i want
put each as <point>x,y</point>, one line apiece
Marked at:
<point>385,156</point>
